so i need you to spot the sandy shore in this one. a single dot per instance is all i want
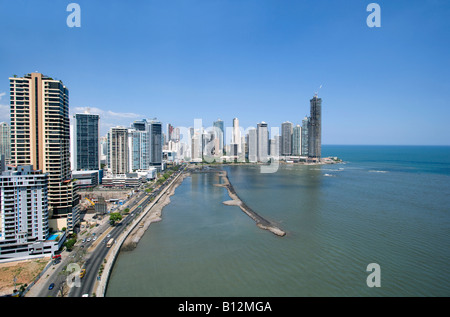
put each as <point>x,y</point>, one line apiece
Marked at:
<point>153,215</point>
<point>236,201</point>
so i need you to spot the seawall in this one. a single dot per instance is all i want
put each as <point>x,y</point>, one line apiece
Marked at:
<point>150,214</point>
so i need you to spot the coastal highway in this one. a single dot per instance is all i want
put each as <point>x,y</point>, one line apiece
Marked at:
<point>96,257</point>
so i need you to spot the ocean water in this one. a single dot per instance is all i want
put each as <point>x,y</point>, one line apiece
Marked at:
<point>385,204</point>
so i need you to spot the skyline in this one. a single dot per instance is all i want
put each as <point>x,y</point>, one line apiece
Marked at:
<point>253,60</point>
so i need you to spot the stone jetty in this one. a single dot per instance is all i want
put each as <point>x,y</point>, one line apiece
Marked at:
<point>236,201</point>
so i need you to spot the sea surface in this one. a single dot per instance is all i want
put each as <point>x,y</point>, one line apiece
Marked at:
<point>388,205</point>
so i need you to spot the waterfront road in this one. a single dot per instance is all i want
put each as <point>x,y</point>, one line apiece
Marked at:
<point>90,255</point>
<point>96,258</point>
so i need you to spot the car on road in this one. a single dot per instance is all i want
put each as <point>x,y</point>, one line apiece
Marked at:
<point>51,286</point>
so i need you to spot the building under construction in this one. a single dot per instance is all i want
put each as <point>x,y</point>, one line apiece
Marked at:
<point>315,129</point>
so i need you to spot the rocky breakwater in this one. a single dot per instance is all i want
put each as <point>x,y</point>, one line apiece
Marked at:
<point>236,201</point>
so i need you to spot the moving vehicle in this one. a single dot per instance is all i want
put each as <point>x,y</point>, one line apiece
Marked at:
<point>110,243</point>
<point>82,273</point>
<point>51,286</point>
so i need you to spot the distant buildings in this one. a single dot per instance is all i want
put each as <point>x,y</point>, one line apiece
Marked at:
<point>5,141</point>
<point>139,145</point>
<point>297,141</point>
<point>236,138</point>
<point>286,137</point>
<point>40,136</point>
<point>156,144</point>
<point>305,127</point>
<point>118,151</point>
<point>263,142</point>
<point>219,134</point>
<point>252,145</point>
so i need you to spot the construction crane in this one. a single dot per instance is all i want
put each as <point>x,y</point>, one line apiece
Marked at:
<point>90,201</point>
<point>317,92</point>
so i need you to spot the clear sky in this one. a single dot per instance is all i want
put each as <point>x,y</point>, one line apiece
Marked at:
<point>257,60</point>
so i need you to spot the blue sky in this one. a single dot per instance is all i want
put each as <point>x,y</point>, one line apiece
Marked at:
<point>257,60</point>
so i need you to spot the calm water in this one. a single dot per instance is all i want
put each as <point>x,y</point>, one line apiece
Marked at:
<point>385,205</point>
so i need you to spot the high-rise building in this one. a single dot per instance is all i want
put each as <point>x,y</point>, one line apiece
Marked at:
<point>138,142</point>
<point>286,138</point>
<point>236,137</point>
<point>252,145</point>
<point>86,149</point>
<point>315,128</point>
<point>156,145</point>
<point>170,130</point>
<point>219,131</point>
<point>273,148</point>
<point>263,142</point>
<point>40,136</point>
<point>24,206</point>
<point>196,146</point>
<point>305,124</point>
<point>140,125</point>
<point>297,140</point>
<point>118,151</point>
<point>5,141</point>
<point>139,145</point>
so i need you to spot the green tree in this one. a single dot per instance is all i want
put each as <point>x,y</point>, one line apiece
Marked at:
<point>114,217</point>
<point>70,243</point>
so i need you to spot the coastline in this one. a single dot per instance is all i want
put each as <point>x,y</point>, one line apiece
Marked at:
<point>236,201</point>
<point>153,215</point>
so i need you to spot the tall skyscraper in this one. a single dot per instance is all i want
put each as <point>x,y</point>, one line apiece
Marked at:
<point>156,145</point>
<point>286,138</point>
<point>139,145</point>
<point>138,142</point>
<point>315,128</point>
<point>196,146</point>
<point>40,136</point>
<point>118,151</point>
<point>170,129</point>
<point>5,140</point>
<point>236,137</point>
<point>219,134</point>
<point>86,144</point>
<point>263,142</point>
<point>297,140</point>
<point>252,145</point>
<point>305,124</point>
